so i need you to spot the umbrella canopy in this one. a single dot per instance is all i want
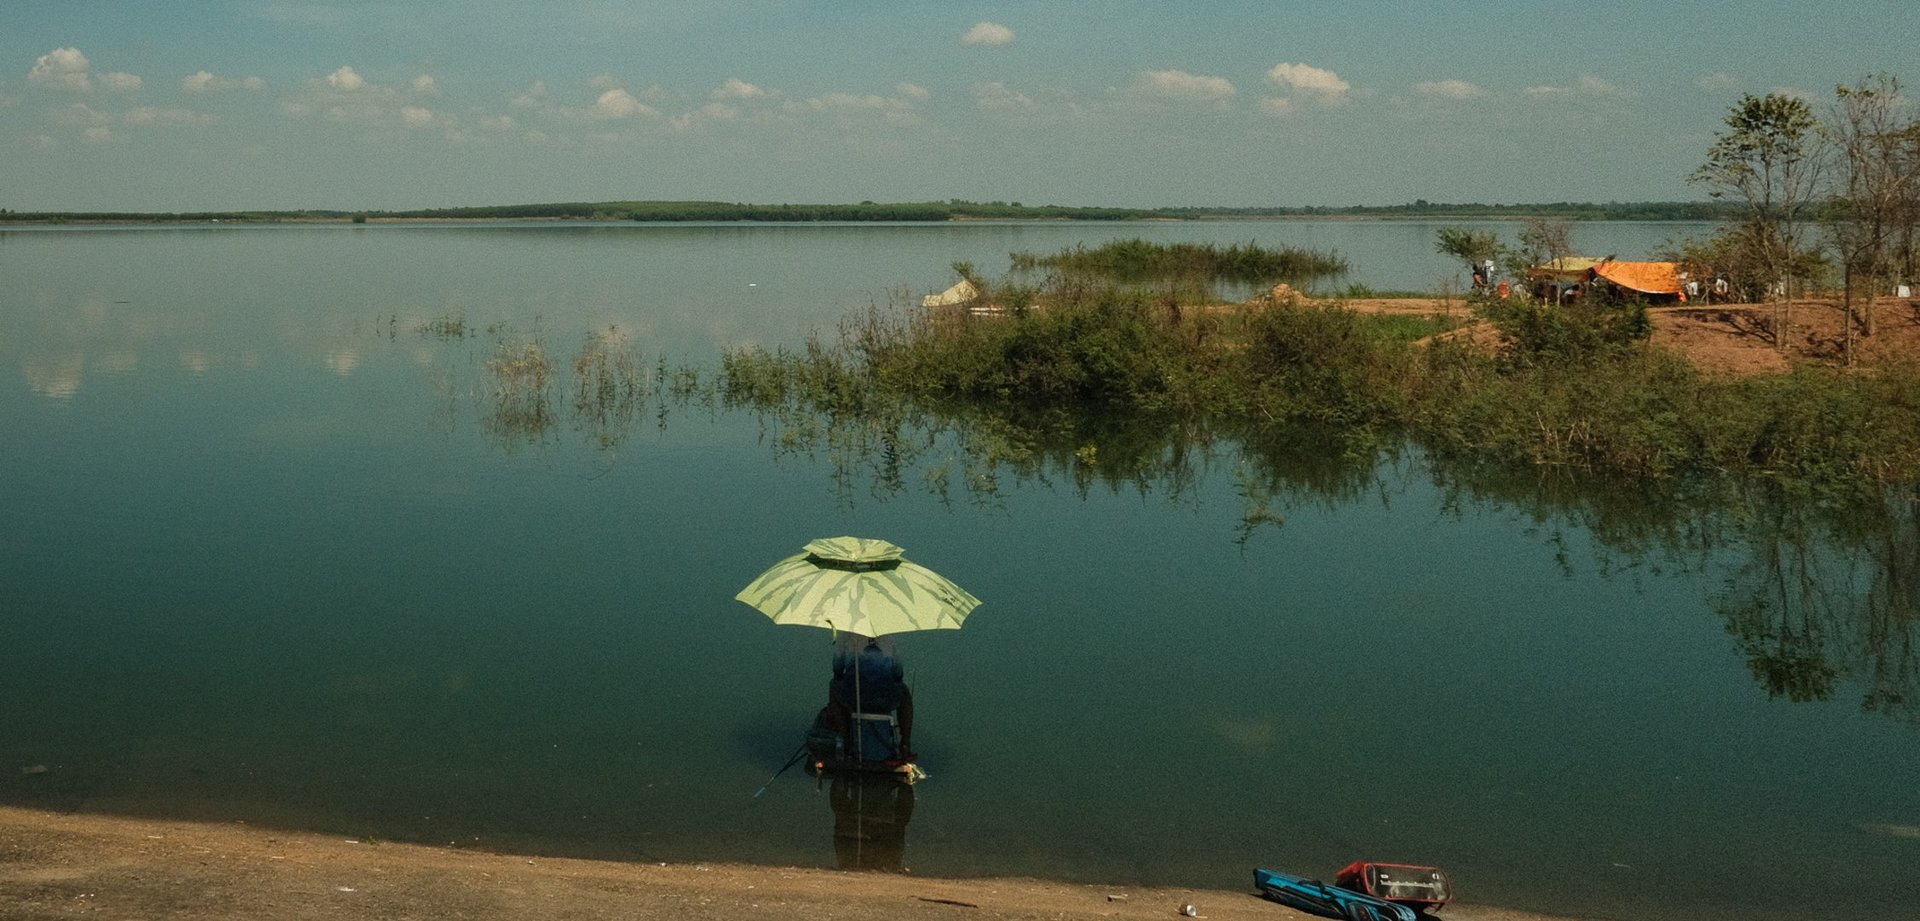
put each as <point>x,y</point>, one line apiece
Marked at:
<point>858,585</point>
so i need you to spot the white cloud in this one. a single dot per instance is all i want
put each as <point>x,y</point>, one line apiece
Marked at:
<point>736,88</point>
<point>168,118</point>
<point>711,112</point>
<point>98,134</point>
<point>987,33</point>
<point>117,82</point>
<point>1276,105</point>
<point>206,82</point>
<point>1314,81</point>
<point>999,96</point>
<point>1182,86</point>
<point>889,108</point>
<point>603,82</point>
<point>345,80</point>
<point>911,90</point>
<point>1449,89</point>
<point>618,103</point>
<point>82,114</point>
<point>849,101</point>
<point>61,69</point>
<point>345,97</point>
<point>534,97</point>
<point>1594,86</point>
<point>1587,86</point>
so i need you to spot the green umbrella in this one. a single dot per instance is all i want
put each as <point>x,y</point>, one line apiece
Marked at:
<point>858,585</point>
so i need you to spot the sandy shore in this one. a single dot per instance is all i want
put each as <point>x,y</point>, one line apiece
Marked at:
<point>73,866</point>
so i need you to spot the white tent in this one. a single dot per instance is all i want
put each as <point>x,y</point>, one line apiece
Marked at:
<point>954,296</point>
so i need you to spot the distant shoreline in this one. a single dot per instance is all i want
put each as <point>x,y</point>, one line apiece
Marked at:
<point>873,212</point>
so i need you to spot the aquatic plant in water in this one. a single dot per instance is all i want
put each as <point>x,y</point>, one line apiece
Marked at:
<point>608,389</point>
<point>522,406</point>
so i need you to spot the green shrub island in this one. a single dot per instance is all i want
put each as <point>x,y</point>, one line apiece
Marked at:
<point>1043,365</point>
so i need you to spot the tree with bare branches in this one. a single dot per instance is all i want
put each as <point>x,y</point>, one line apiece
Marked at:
<point>1875,150</point>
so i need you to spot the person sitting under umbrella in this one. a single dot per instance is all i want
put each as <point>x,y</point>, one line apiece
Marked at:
<point>867,678</point>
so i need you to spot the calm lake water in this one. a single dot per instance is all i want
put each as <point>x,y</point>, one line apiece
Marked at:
<point>273,549</point>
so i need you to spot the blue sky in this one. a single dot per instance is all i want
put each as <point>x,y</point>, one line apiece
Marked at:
<point>121,105</point>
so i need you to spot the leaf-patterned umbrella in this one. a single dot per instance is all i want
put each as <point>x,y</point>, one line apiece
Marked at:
<point>858,585</point>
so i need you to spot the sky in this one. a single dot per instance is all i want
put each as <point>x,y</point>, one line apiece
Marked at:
<point>186,105</point>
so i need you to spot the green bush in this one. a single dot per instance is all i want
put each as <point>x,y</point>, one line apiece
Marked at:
<point>1534,333</point>
<point>1086,373</point>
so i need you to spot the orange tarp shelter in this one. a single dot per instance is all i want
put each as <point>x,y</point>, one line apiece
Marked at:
<point>1644,277</point>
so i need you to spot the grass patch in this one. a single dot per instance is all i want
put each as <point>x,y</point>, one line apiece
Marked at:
<point>1137,260</point>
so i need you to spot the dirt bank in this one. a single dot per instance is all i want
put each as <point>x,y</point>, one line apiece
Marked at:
<point>55,866</point>
<point>1734,338</point>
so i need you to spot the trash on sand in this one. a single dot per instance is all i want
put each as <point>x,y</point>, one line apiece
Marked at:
<point>1189,910</point>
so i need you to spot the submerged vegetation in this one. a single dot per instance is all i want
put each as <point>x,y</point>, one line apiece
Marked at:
<point>611,390</point>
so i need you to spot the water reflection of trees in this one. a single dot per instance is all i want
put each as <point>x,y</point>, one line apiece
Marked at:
<point>1816,596</point>
<point>885,447</point>
<point>1821,599</point>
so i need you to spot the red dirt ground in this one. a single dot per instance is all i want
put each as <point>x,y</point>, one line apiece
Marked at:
<point>1733,338</point>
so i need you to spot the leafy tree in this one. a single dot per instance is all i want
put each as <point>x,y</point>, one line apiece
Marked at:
<point>1876,166</point>
<point>1766,159</point>
<point>1475,247</point>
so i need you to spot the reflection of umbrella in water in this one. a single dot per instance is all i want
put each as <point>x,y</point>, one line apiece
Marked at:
<point>861,586</point>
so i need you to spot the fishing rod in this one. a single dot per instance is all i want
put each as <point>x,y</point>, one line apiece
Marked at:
<point>798,754</point>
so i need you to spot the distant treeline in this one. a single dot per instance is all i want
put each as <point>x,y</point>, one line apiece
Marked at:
<point>930,211</point>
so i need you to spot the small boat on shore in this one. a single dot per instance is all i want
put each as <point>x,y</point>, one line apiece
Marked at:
<point>1318,898</point>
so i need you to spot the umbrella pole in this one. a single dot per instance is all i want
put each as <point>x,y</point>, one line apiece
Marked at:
<point>859,731</point>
